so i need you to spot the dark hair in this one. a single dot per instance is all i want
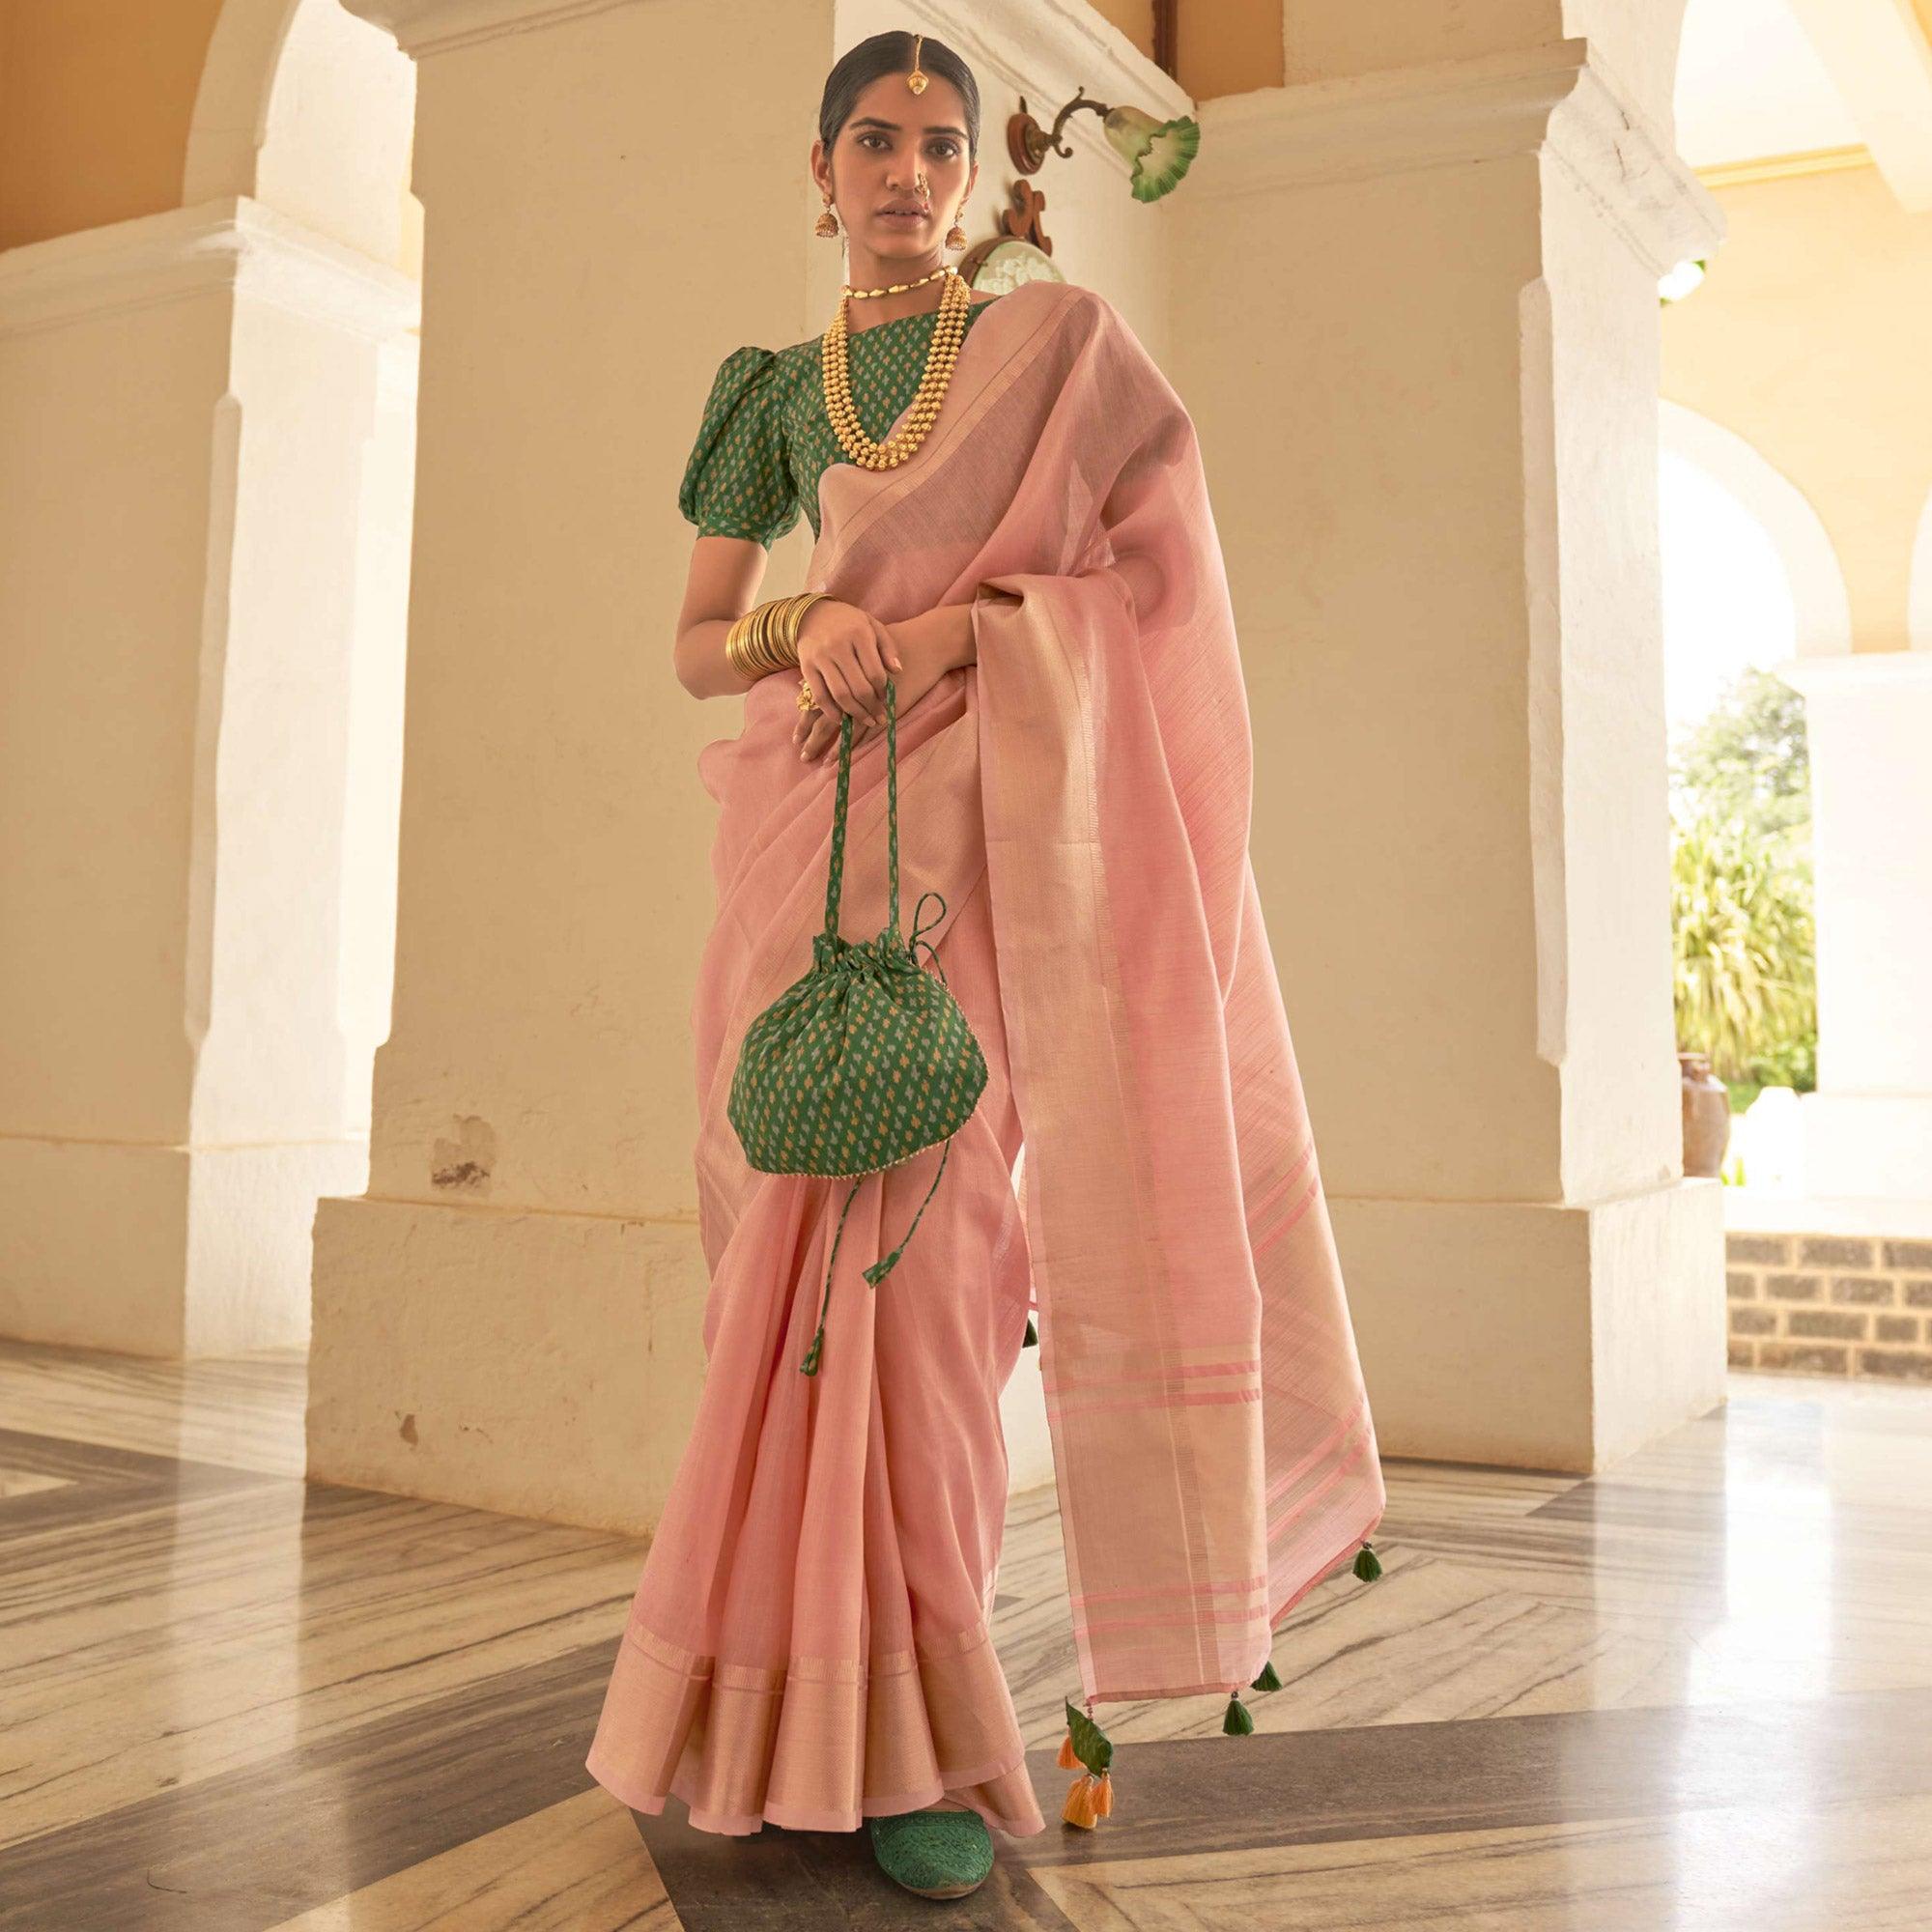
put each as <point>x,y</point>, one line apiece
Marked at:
<point>892,53</point>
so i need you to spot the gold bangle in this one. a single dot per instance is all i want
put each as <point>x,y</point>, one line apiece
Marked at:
<point>765,638</point>
<point>744,647</point>
<point>766,651</point>
<point>735,651</point>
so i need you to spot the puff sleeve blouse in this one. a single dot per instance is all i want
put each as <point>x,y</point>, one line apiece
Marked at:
<point>764,438</point>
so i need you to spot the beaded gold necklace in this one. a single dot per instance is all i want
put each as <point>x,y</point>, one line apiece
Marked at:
<point>948,329</point>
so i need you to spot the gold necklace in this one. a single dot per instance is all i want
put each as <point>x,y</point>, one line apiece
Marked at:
<point>948,329</point>
<point>894,288</point>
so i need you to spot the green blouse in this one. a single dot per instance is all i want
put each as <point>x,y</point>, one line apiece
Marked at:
<point>765,439</point>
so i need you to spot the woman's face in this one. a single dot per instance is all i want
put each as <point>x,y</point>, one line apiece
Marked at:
<point>888,138</point>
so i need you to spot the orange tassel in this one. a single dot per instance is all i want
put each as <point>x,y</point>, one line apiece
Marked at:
<point>1079,1805</point>
<point>1067,1760</point>
<point>1103,1795</point>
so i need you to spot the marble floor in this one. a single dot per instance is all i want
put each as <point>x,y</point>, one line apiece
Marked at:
<point>1692,1695</point>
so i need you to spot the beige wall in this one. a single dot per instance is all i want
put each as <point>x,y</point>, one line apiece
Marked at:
<point>1635,41</point>
<point>95,100</point>
<point>1808,339</point>
<point>96,95</point>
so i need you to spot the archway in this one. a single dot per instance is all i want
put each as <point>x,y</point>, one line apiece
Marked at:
<point>205,596</point>
<point>311,111</point>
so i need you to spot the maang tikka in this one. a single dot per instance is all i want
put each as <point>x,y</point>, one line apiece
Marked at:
<point>956,236</point>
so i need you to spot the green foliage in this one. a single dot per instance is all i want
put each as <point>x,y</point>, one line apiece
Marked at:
<point>1748,760</point>
<point>1740,888</point>
<point>1741,922</point>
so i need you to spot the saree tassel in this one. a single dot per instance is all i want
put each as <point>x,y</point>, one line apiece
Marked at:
<point>1031,1335</point>
<point>1082,1805</point>
<point>1268,1680</point>
<point>1090,1798</point>
<point>1238,1720</point>
<point>1368,1565</point>
<point>1086,1742</point>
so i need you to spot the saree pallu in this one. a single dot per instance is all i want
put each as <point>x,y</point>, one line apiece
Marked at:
<point>809,1643</point>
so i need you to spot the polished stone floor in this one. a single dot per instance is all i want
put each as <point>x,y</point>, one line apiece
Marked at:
<point>1689,1696</point>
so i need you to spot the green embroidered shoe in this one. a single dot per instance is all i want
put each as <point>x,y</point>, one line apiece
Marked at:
<point>936,1854</point>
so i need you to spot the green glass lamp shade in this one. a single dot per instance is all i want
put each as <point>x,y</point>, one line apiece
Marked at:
<point>1157,151</point>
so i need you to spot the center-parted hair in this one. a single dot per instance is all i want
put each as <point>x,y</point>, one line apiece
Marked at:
<point>892,53</point>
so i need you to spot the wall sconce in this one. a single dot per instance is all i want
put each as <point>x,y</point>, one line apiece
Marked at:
<point>1156,152</point>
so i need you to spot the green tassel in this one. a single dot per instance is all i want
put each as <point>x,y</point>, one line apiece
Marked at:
<point>1268,1680</point>
<point>1239,1721</point>
<point>1031,1335</point>
<point>1091,1746</point>
<point>1368,1566</point>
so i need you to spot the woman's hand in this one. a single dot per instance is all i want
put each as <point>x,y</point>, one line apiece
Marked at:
<point>916,653</point>
<point>846,655</point>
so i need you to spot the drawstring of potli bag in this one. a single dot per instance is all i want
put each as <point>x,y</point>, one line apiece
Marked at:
<point>876,1272</point>
<point>886,1264</point>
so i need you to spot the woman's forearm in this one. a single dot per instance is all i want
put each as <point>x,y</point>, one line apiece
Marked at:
<point>943,636</point>
<point>700,662</point>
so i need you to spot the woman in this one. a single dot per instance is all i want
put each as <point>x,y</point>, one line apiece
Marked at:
<point>1027,555</point>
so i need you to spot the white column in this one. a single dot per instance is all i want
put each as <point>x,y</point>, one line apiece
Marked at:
<point>510,1315</point>
<point>1424,364</point>
<point>1868,720</point>
<point>205,413</point>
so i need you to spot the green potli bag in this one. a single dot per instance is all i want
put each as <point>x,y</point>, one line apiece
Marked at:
<point>866,1060</point>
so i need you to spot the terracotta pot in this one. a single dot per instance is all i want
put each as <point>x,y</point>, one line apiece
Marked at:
<point>1707,1115</point>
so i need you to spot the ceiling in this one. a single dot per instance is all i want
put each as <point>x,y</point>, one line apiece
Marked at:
<point>1773,78</point>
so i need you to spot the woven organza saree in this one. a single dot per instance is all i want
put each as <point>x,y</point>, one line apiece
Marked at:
<point>1080,797</point>
<point>1212,1445</point>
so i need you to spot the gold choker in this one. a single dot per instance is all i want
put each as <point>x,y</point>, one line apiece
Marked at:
<point>894,288</point>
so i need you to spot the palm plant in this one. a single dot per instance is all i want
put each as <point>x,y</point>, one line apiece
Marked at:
<point>1741,919</point>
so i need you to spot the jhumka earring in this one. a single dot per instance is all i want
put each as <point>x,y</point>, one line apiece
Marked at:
<point>956,236</point>
<point>915,79</point>
<point>827,222</point>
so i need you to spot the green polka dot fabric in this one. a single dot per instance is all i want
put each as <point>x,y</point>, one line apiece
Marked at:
<point>765,440</point>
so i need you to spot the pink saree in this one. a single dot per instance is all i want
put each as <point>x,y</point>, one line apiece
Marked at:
<point>810,1641</point>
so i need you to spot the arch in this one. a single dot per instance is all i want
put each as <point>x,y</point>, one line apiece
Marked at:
<point>311,110</point>
<point>229,122</point>
<point>1823,611</point>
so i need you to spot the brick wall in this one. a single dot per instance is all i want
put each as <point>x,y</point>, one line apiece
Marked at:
<point>1830,1306</point>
